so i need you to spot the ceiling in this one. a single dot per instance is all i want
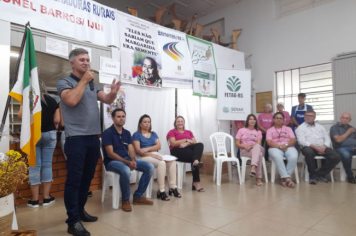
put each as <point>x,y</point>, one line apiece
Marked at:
<point>185,9</point>
<point>50,68</point>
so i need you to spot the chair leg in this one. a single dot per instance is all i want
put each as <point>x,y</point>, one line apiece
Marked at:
<point>306,172</point>
<point>214,170</point>
<point>243,170</point>
<point>115,196</point>
<point>342,172</point>
<point>273,171</point>
<point>332,176</point>
<point>184,169</point>
<point>104,187</point>
<point>180,175</point>
<point>265,169</point>
<point>296,174</point>
<point>149,188</point>
<point>230,170</point>
<point>238,171</point>
<point>219,166</point>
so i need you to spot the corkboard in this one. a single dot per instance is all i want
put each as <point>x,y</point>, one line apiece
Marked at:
<point>263,98</point>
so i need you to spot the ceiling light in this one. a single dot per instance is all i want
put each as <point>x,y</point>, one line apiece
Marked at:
<point>14,54</point>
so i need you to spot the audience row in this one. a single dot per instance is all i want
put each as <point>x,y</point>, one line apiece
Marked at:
<point>121,149</point>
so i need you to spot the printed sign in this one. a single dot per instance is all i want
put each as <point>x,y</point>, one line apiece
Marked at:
<point>141,60</point>
<point>82,20</point>
<point>204,69</point>
<point>176,63</point>
<point>234,94</point>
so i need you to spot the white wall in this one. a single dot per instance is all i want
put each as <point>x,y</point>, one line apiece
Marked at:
<point>309,37</point>
<point>4,75</point>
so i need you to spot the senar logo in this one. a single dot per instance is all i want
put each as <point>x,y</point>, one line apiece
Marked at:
<point>233,84</point>
<point>226,110</point>
<point>171,50</point>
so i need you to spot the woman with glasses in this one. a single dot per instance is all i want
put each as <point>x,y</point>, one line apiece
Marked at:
<point>281,140</point>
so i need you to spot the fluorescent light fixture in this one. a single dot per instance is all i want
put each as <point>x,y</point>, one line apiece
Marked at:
<point>14,54</point>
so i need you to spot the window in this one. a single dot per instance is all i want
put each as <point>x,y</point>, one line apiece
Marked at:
<point>315,82</point>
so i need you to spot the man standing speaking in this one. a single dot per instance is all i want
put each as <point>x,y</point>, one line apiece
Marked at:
<point>81,117</point>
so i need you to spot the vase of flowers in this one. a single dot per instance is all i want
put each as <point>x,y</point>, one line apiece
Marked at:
<point>13,170</point>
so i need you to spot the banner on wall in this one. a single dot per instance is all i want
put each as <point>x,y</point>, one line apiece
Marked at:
<point>234,94</point>
<point>176,63</point>
<point>204,68</point>
<point>82,20</point>
<point>119,102</point>
<point>140,57</point>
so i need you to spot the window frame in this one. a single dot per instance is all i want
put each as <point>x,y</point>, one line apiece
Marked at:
<point>295,95</point>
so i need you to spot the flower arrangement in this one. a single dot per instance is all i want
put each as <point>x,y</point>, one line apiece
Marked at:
<point>13,170</point>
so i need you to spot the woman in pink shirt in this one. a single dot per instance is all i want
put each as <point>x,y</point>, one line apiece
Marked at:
<point>287,119</point>
<point>184,146</point>
<point>281,140</point>
<point>264,122</point>
<point>248,140</point>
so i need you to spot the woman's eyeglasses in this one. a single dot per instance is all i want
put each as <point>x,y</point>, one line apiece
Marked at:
<point>278,118</point>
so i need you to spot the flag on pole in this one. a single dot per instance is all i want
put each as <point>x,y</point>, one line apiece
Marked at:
<point>27,92</point>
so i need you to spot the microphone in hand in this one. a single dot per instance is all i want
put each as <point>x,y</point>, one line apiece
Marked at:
<point>91,83</point>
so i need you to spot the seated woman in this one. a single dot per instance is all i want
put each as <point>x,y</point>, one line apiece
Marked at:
<point>147,144</point>
<point>248,139</point>
<point>281,141</point>
<point>184,146</point>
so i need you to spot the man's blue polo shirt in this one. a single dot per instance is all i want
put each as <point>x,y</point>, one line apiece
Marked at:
<point>120,143</point>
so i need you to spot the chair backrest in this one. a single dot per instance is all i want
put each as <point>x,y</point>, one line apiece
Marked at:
<point>220,139</point>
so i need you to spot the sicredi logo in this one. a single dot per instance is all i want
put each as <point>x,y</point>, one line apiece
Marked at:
<point>300,116</point>
<point>233,84</point>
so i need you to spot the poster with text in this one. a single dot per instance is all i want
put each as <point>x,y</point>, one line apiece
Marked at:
<point>81,20</point>
<point>176,63</point>
<point>234,94</point>
<point>119,102</point>
<point>140,57</point>
<point>204,68</point>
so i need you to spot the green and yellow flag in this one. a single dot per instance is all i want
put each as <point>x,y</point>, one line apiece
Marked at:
<point>27,91</point>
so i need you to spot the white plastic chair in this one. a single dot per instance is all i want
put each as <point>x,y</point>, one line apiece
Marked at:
<point>181,172</point>
<point>342,170</point>
<point>273,171</point>
<point>150,185</point>
<point>116,184</point>
<point>305,167</point>
<point>244,164</point>
<point>221,156</point>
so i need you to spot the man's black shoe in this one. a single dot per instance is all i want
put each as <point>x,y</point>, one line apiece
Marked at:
<point>77,230</point>
<point>313,181</point>
<point>85,217</point>
<point>322,179</point>
<point>351,180</point>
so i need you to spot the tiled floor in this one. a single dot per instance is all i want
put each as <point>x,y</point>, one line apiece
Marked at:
<point>229,209</point>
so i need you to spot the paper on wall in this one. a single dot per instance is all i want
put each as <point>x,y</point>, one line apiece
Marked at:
<point>110,66</point>
<point>105,78</point>
<point>57,47</point>
<point>74,46</point>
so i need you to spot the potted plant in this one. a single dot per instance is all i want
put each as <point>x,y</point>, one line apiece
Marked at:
<point>13,171</point>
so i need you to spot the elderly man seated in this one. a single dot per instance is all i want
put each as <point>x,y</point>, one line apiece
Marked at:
<point>344,142</point>
<point>316,142</point>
